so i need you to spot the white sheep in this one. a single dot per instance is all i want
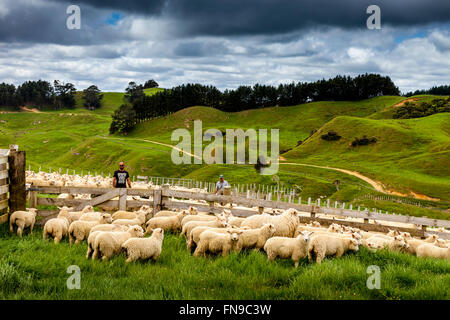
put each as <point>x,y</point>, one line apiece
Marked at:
<point>322,245</point>
<point>396,243</point>
<point>91,216</point>
<point>58,228</point>
<point>144,248</point>
<point>139,220</point>
<point>194,237</point>
<point>199,217</point>
<point>432,251</point>
<point>107,244</point>
<point>256,238</point>
<point>22,219</point>
<point>167,213</point>
<point>131,215</point>
<point>285,224</point>
<point>76,215</point>
<point>217,223</point>
<point>285,248</point>
<point>214,242</point>
<point>79,230</point>
<point>95,231</point>
<point>170,223</point>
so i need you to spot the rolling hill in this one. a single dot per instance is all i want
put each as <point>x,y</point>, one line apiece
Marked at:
<point>409,155</point>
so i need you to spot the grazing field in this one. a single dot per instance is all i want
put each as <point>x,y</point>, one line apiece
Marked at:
<point>33,269</point>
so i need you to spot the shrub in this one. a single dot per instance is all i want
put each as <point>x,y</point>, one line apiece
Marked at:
<point>331,136</point>
<point>364,141</point>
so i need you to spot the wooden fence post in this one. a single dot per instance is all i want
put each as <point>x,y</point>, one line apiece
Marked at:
<point>16,173</point>
<point>164,198</point>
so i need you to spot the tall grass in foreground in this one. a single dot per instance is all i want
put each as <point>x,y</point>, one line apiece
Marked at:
<point>33,269</point>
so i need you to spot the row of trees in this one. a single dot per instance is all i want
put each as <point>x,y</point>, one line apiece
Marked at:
<point>42,94</point>
<point>247,97</point>
<point>438,91</point>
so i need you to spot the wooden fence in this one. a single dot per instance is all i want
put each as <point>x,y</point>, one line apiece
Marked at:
<point>166,198</point>
<point>12,182</point>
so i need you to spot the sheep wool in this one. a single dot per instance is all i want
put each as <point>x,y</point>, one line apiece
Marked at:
<point>107,244</point>
<point>327,245</point>
<point>214,242</point>
<point>144,248</point>
<point>285,248</point>
<point>22,219</point>
<point>171,223</point>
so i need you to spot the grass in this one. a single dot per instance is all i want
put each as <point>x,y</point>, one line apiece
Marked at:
<point>179,275</point>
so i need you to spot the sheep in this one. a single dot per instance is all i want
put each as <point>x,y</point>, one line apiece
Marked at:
<point>166,213</point>
<point>107,244</point>
<point>232,220</point>
<point>194,236</point>
<point>218,242</point>
<point>95,231</point>
<point>199,217</point>
<point>58,228</point>
<point>172,223</point>
<point>79,230</point>
<point>432,251</point>
<point>139,220</point>
<point>285,224</point>
<point>131,215</point>
<point>396,243</point>
<point>432,238</point>
<point>217,223</point>
<point>145,248</point>
<point>322,245</point>
<point>76,215</point>
<point>22,219</point>
<point>333,228</point>
<point>285,248</point>
<point>91,216</point>
<point>256,238</point>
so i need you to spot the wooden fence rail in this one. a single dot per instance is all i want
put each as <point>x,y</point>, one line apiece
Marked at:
<point>165,197</point>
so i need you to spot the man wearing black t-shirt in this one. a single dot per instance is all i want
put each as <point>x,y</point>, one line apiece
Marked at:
<point>121,177</point>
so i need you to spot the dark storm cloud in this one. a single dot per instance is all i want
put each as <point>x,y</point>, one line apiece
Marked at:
<point>238,17</point>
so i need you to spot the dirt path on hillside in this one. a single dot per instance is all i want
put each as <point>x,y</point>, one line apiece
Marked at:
<point>401,103</point>
<point>378,186</point>
<point>34,110</point>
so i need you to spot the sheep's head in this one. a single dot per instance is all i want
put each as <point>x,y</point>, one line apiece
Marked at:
<point>271,228</point>
<point>192,210</point>
<point>432,238</point>
<point>136,231</point>
<point>306,235</point>
<point>399,242</point>
<point>234,234</point>
<point>88,208</point>
<point>158,232</point>
<point>33,210</point>
<point>354,245</point>
<point>393,233</point>
<point>106,217</point>
<point>357,237</point>
<point>440,243</point>
<point>334,228</point>
<point>145,208</point>
<point>405,235</point>
<point>292,212</point>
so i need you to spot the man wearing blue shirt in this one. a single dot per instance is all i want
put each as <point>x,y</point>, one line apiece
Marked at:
<point>220,185</point>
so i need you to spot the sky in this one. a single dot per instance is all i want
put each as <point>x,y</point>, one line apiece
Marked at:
<point>223,43</point>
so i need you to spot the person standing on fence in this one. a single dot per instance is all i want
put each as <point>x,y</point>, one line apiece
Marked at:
<point>221,184</point>
<point>121,177</point>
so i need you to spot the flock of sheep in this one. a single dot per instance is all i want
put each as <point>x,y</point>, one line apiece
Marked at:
<point>279,235</point>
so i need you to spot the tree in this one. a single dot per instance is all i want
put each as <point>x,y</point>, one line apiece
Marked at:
<point>92,97</point>
<point>37,93</point>
<point>8,95</point>
<point>151,84</point>
<point>134,92</point>
<point>124,120</point>
<point>64,95</point>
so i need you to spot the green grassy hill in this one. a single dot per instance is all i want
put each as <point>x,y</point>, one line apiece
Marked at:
<point>410,155</point>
